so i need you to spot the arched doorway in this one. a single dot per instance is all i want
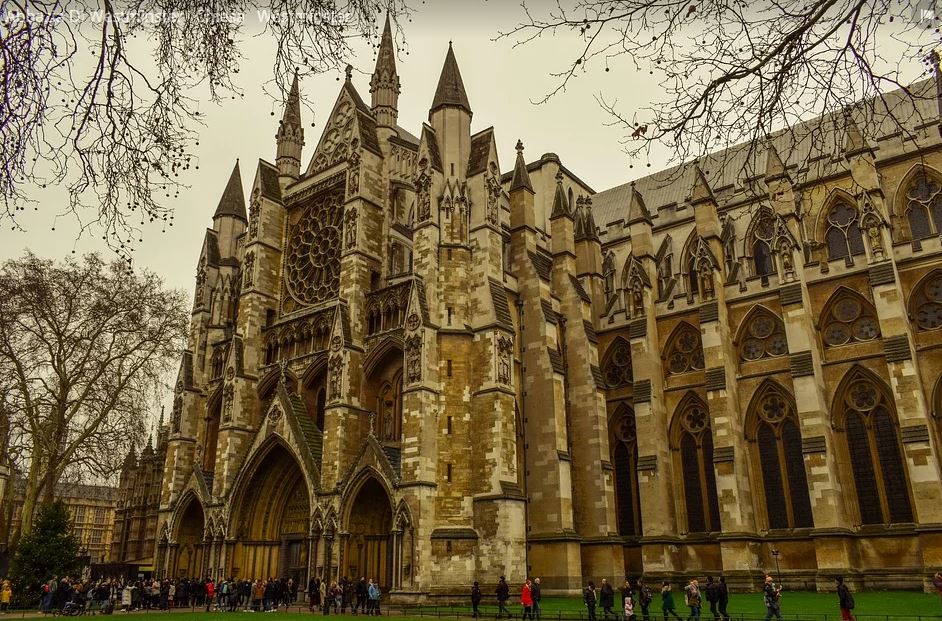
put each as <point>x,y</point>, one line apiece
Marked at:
<point>273,521</point>
<point>368,551</point>
<point>382,392</point>
<point>189,554</point>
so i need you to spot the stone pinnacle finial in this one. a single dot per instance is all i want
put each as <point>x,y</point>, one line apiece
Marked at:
<point>521,178</point>
<point>519,146</point>
<point>348,70</point>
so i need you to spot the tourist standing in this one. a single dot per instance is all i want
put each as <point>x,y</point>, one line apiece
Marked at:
<point>6,596</point>
<point>722,595</point>
<point>629,607</point>
<point>645,597</point>
<point>590,600</point>
<point>372,592</point>
<point>325,607</point>
<point>937,583</point>
<point>711,597</point>
<point>503,594</point>
<point>667,601</point>
<point>607,599</point>
<point>526,600</point>
<point>772,594</point>
<point>693,599</point>
<point>537,595</point>
<point>845,599</point>
<point>475,600</point>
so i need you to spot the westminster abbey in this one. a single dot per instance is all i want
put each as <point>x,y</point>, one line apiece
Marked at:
<point>409,365</point>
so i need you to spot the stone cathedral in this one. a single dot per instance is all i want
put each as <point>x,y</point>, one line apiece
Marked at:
<point>405,364</point>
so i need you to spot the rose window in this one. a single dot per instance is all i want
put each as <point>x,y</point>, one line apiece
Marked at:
<point>849,320</point>
<point>617,369</point>
<point>927,304</point>
<point>312,260</point>
<point>765,337</point>
<point>686,352</point>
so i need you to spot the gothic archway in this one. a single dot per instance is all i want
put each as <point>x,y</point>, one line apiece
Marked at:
<point>382,391</point>
<point>272,518</point>
<point>187,561</point>
<point>368,549</point>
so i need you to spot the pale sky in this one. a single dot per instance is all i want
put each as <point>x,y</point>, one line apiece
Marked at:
<point>500,81</point>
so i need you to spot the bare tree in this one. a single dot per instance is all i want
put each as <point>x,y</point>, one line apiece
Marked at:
<point>84,346</point>
<point>737,71</point>
<point>85,106</point>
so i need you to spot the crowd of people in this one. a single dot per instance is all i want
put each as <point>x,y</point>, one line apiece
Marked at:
<point>363,597</point>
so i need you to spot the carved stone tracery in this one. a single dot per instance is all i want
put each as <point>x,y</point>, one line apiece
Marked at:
<point>312,261</point>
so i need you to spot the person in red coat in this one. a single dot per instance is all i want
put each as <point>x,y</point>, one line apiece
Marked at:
<point>526,598</point>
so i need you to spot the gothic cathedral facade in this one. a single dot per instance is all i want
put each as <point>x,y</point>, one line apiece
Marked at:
<point>406,365</point>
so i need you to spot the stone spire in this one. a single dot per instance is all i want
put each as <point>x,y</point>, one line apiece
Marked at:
<point>521,178</point>
<point>560,201</point>
<point>450,91</point>
<point>384,85</point>
<point>774,167</point>
<point>232,202</point>
<point>591,231</point>
<point>854,141</point>
<point>637,210</point>
<point>290,137</point>
<point>701,190</point>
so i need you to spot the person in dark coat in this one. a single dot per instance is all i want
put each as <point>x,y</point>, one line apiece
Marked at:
<point>712,597</point>
<point>667,601</point>
<point>537,595</point>
<point>475,600</point>
<point>722,598</point>
<point>846,600</point>
<point>771,594</point>
<point>503,594</point>
<point>607,599</point>
<point>645,597</point>
<point>360,591</point>
<point>590,600</point>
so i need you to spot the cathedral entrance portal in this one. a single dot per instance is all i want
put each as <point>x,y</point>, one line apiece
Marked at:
<point>274,521</point>
<point>188,561</point>
<point>368,550</point>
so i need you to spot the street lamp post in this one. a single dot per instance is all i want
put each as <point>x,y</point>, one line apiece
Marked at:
<point>778,572</point>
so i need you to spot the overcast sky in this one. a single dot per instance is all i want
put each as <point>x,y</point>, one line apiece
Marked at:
<point>501,83</point>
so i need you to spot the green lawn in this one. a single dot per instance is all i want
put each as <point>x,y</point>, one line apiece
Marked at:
<point>796,606</point>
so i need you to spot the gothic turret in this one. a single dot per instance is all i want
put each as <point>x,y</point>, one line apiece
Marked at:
<point>229,220</point>
<point>290,138</point>
<point>384,85</point>
<point>450,116</point>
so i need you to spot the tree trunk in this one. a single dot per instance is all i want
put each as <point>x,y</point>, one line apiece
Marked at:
<point>32,489</point>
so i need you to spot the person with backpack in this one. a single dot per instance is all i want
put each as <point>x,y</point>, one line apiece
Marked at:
<point>667,601</point>
<point>645,597</point>
<point>711,597</point>
<point>693,600</point>
<point>722,598</point>
<point>590,600</point>
<point>845,600</point>
<point>772,594</point>
<point>475,600</point>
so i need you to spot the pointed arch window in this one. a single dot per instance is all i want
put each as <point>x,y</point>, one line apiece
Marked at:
<point>762,234</point>
<point>684,351</point>
<point>926,303</point>
<point>699,478</point>
<point>624,449</point>
<point>873,445</point>
<point>924,207</point>
<point>763,337</point>
<point>848,318</point>
<point>616,369</point>
<point>778,450</point>
<point>843,237</point>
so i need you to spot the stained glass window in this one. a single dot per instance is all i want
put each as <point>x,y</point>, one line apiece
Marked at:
<point>685,351</point>
<point>847,319</point>
<point>875,454</point>
<point>843,236</point>
<point>624,447</point>
<point>696,454</point>
<point>926,303</point>
<point>764,337</point>
<point>617,365</point>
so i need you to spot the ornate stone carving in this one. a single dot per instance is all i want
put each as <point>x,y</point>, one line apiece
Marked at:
<point>255,208</point>
<point>248,267</point>
<point>336,343</point>
<point>350,228</point>
<point>200,285</point>
<point>505,351</point>
<point>414,321</point>
<point>228,393</point>
<point>176,414</point>
<point>312,262</point>
<point>423,184</point>
<point>335,377</point>
<point>414,359</point>
<point>492,184</point>
<point>353,169</point>
<point>274,413</point>
<point>333,146</point>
